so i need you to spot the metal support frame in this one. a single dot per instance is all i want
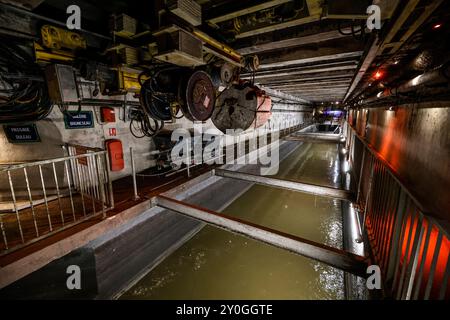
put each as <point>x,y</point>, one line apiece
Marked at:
<point>315,137</point>
<point>133,173</point>
<point>288,185</point>
<point>334,257</point>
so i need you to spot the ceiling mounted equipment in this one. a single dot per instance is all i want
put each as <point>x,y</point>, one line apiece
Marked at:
<point>241,107</point>
<point>227,73</point>
<point>188,10</point>
<point>198,96</point>
<point>224,75</point>
<point>180,48</point>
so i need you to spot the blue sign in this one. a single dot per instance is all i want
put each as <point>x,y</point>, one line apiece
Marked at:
<point>22,133</point>
<point>79,120</point>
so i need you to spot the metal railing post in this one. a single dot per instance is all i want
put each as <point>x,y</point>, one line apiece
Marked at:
<point>133,173</point>
<point>108,176</point>
<point>33,213</point>
<point>45,198</point>
<point>3,233</point>
<point>102,187</point>
<point>188,155</point>
<point>58,192</point>
<point>13,195</point>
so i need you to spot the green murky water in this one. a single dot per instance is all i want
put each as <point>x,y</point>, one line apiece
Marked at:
<point>216,264</point>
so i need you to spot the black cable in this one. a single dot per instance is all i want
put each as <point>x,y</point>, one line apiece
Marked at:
<point>143,126</point>
<point>24,97</point>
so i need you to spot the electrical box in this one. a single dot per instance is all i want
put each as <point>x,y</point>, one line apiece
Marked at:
<point>108,115</point>
<point>61,83</point>
<point>124,25</point>
<point>129,56</point>
<point>115,154</point>
<point>180,48</point>
<point>188,10</point>
<point>341,9</point>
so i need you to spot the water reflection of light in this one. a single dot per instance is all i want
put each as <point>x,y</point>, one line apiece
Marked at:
<point>346,167</point>
<point>355,232</point>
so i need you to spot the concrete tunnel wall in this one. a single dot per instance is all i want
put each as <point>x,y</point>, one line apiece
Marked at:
<point>415,141</point>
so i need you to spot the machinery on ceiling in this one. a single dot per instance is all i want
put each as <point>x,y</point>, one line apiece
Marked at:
<point>174,70</point>
<point>242,106</point>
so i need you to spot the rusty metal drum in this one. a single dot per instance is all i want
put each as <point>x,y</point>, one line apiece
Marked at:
<point>242,106</point>
<point>199,97</point>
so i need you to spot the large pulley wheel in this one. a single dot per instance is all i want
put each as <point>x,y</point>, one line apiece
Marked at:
<point>236,109</point>
<point>199,97</point>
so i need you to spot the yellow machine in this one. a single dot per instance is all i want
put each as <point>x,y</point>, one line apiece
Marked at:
<point>58,45</point>
<point>128,80</point>
<point>59,39</point>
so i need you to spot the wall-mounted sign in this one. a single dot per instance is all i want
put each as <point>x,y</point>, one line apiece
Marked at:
<point>81,120</point>
<point>112,132</point>
<point>22,133</point>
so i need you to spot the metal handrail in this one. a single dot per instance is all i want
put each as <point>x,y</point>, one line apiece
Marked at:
<point>49,161</point>
<point>399,180</point>
<point>83,190</point>
<point>398,228</point>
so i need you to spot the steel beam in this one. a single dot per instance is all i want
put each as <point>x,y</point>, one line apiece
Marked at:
<point>244,11</point>
<point>312,139</point>
<point>288,185</point>
<point>365,66</point>
<point>299,56</point>
<point>311,70</point>
<point>287,97</point>
<point>293,41</point>
<point>317,134</point>
<point>334,257</point>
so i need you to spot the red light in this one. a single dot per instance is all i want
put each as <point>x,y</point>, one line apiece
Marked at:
<point>437,26</point>
<point>378,75</point>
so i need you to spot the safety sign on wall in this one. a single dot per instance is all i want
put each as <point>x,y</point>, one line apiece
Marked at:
<point>22,133</point>
<point>79,120</point>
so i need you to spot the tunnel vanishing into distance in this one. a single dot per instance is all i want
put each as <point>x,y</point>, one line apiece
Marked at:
<point>225,150</point>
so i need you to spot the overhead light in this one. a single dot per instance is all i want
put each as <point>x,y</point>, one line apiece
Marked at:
<point>378,75</point>
<point>396,62</point>
<point>416,80</point>
<point>437,26</point>
<point>392,108</point>
<point>380,94</point>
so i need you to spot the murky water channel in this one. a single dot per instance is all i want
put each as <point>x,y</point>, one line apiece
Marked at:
<point>216,264</point>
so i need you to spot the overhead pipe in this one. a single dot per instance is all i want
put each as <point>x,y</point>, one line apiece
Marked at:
<point>438,76</point>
